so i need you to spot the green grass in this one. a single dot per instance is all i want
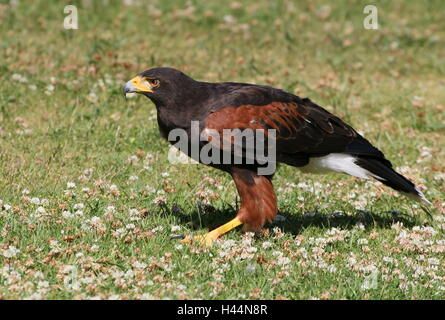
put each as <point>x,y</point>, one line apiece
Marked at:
<point>339,234</point>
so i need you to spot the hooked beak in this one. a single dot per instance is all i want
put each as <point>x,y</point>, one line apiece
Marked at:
<point>137,85</point>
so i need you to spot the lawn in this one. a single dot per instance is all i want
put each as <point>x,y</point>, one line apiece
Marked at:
<point>89,200</point>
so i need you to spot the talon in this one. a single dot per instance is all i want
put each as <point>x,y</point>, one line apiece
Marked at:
<point>177,236</point>
<point>187,238</point>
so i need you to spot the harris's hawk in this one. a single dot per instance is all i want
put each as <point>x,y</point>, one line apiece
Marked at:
<point>306,136</point>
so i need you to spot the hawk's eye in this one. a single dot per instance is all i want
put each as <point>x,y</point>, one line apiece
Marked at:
<point>154,82</point>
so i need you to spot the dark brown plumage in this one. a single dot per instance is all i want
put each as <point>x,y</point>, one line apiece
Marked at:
<point>308,136</point>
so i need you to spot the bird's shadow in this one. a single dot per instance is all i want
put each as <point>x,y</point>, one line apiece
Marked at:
<point>208,217</point>
<point>296,223</point>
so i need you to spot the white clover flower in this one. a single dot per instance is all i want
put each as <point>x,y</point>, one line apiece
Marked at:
<point>359,226</point>
<point>49,89</point>
<point>133,159</point>
<point>139,265</point>
<point>120,230</point>
<point>88,171</point>
<point>133,212</point>
<point>277,253</point>
<point>67,214</point>
<point>92,96</point>
<point>158,228</point>
<point>10,252</point>
<point>331,268</point>
<point>26,192</point>
<point>227,244</point>
<point>282,260</point>
<point>43,284</point>
<point>110,209</point>
<point>68,193</point>
<point>78,213</point>
<point>68,268</point>
<point>79,205</point>
<point>165,174</point>
<point>129,274</point>
<point>175,228</point>
<point>19,78</point>
<point>54,244</point>
<point>70,185</point>
<point>95,220</point>
<point>159,200</point>
<point>133,178</point>
<point>229,19</point>
<point>35,295</point>
<point>433,261</point>
<point>251,250</point>
<point>267,244</point>
<point>117,274</point>
<point>388,259</point>
<point>303,185</point>
<point>40,210</point>
<point>87,280</point>
<point>182,287</point>
<point>35,201</point>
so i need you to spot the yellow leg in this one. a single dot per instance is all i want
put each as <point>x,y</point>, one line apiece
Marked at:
<point>211,236</point>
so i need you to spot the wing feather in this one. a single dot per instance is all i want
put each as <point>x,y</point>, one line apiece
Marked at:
<point>303,129</point>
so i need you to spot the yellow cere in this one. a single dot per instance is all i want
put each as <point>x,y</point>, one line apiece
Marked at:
<point>141,84</point>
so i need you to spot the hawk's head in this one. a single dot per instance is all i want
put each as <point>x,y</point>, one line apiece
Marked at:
<point>161,85</point>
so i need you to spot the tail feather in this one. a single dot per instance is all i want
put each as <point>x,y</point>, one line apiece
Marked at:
<point>382,170</point>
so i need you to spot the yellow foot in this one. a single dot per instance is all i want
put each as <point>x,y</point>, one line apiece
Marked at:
<point>206,239</point>
<point>211,236</point>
